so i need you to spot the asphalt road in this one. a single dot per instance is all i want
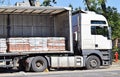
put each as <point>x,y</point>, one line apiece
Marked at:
<point>109,72</point>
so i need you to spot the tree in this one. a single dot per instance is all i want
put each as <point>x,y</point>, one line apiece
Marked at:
<point>114,21</point>
<point>48,2</point>
<point>32,2</point>
<point>77,8</point>
<point>71,6</point>
<point>99,6</point>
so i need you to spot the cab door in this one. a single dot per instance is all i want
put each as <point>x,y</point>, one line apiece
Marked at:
<point>101,37</point>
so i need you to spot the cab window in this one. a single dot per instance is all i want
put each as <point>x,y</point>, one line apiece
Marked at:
<point>98,30</point>
<point>97,22</point>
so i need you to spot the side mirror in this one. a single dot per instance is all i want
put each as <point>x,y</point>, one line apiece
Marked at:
<point>110,32</point>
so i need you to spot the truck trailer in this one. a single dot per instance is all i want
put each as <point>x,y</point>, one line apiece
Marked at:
<point>37,38</point>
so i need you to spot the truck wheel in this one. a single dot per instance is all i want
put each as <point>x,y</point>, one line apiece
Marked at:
<point>92,62</point>
<point>39,64</point>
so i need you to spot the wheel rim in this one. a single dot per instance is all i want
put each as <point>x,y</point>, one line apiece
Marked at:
<point>39,64</point>
<point>93,63</point>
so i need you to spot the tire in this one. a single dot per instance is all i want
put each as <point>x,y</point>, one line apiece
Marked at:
<point>39,64</point>
<point>92,62</point>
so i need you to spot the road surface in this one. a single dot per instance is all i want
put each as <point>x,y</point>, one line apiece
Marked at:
<point>112,72</point>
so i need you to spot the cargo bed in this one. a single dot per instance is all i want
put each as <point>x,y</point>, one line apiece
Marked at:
<point>35,22</point>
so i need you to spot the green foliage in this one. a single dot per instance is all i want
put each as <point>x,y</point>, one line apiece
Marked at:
<point>77,8</point>
<point>94,5</point>
<point>71,6</point>
<point>113,18</point>
<point>48,2</point>
<point>115,49</point>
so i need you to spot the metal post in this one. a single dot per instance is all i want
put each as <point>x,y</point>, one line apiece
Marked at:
<point>8,31</point>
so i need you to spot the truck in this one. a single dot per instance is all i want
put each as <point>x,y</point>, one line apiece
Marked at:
<point>40,38</point>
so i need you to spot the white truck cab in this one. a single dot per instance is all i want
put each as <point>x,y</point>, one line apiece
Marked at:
<point>95,32</point>
<point>93,36</point>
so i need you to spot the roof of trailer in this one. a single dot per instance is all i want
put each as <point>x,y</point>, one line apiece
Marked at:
<point>32,9</point>
<point>78,11</point>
